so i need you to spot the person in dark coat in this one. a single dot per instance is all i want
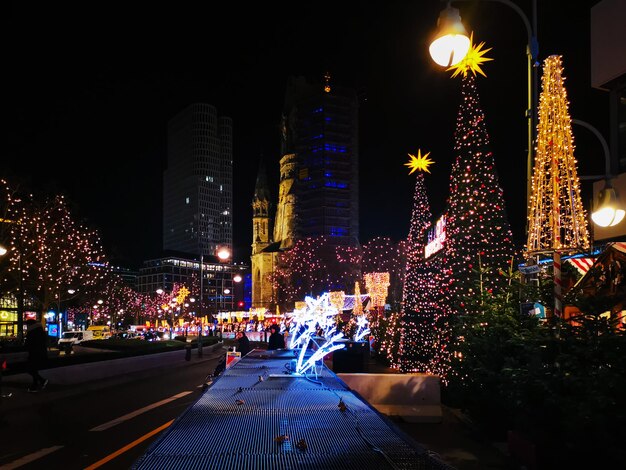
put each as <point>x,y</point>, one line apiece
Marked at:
<point>243,343</point>
<point>277,340</point>
<point>37,347</point>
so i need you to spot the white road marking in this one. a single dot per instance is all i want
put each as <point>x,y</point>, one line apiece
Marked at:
<point>30,458</point>
<point>121,419</point>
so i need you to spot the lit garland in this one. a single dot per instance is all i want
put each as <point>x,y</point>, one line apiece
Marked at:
<point>337,299</point>
<point>556,219</point>
<point>358,305</point>
<point>311,266</point>
<point>377,285</point>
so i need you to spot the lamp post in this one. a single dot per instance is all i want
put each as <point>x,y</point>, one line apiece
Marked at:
<point>608,210</point>
<point>201,301</point>
<point>71,292</point>
<point>447,47</point>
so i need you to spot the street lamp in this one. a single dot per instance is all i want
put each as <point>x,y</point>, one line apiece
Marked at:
<point>443,52</point>
<point>451,42</point>
<point>608,210</point>
<point>71,292</point>
<point>223,253</point>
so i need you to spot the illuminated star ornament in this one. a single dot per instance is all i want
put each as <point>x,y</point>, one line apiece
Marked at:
<point>420,162</point>
<point>473,60</point>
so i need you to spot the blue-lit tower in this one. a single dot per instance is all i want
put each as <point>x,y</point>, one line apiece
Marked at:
<point>320,127</point>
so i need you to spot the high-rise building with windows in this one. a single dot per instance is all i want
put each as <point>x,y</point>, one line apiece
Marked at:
<point>320,127</point>
<point>318,193</point>
<point>198,182</point>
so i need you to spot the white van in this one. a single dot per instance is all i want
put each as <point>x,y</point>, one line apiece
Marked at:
<point>70,338</point>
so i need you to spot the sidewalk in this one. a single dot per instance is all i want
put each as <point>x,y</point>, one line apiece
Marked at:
<point>454,439</point>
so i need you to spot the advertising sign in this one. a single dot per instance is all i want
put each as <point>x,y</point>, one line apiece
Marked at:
<point>232,358</point>
<point>436,238</point>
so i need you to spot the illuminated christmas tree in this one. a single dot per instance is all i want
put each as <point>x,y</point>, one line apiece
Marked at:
<point>557,222</point>
<point>478,235</point>
<point>418,350</point>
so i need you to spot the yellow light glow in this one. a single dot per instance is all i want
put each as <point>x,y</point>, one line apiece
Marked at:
<point>419,163</point>
<point>557,219</point>
<point>472,61</point>
<point>450,42</point>
<point>377,285</point>
<point>608,216</point>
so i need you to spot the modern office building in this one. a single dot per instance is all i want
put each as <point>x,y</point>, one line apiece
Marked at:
<point>221,292</point>
<point>320,127</point>
<point>198,182</point>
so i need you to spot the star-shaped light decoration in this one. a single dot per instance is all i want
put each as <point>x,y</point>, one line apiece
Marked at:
<point>473,60</point>
<point>420,162</point>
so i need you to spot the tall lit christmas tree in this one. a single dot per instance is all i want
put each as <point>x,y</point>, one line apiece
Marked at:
<point>418,348</point>
<point>557,222</point>
<point>478,234</point>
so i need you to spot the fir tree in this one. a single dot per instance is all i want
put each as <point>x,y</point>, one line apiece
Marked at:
<point>479,237</point>
<point>418,349</point>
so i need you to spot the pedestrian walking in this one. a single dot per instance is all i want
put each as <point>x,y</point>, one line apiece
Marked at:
<point>243,343</point>
<point>277,340</point>
<point>37,347</point>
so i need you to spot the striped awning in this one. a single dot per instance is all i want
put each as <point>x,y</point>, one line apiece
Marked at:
<point>582,264</point>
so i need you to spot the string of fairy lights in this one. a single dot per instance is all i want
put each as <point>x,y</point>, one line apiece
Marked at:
<point>557,219</point>
<point>441,267</point>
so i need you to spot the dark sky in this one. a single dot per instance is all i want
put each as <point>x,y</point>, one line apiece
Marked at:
<point>90,88</point>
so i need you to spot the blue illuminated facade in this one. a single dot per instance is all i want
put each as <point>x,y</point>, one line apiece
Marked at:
<point>321,128</point>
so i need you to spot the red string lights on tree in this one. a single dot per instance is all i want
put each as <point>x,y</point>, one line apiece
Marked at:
<point>477,226</point>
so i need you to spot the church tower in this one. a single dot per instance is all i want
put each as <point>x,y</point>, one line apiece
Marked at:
<point>284,224</point>
<point>262,261</point>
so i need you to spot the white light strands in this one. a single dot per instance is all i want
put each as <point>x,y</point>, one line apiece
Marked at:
<point>318,313</point>
<point>362,328</point>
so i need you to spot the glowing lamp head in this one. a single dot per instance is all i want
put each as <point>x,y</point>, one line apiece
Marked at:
<point>237,278</point>
<point>3,250</point>
<point>608,213</point>
<point>223,253</point>
<point>451,42</point>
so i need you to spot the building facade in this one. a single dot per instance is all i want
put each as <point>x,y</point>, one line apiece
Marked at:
<point>263,255</point>
<point>218,286</point>
<point>320,127</point>
<point>319,187</point>
<point>198,182</point>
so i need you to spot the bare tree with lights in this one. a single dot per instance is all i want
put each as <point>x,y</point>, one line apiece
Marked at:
<point>53,250</point>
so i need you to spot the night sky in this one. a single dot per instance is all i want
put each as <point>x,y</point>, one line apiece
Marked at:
<point>90,89</point>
